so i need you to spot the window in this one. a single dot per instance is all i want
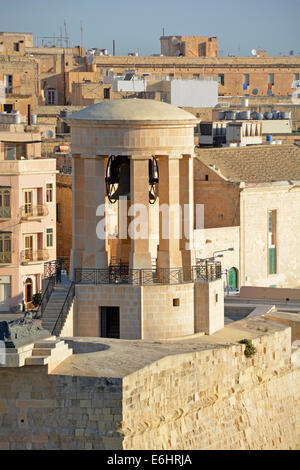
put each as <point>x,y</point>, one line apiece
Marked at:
<point>8,83</point>
<point>51,96</point>
<point>271,78</point>
<point>5,247</point>
<point>196,76</point>
<point>28,198</point>
<point>272,229</point>
<point>16,47</point>
<point>176,302</point>
<point>49,237</point>
<point>296,76</point>
<point>246,81</point>
<point>106,93</point>
<point>14,151</point>
<point>221,79</point>
<point>58,212</point>
<point>4,203</point>
<point>49,192</point>
<point>8,108</point>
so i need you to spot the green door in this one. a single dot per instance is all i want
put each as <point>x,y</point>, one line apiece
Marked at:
<point>232,278</point>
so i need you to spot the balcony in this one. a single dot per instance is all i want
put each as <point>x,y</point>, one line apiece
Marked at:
<point>34,256</point>
<point>5,257</point>
<point>31,212</point>
<point>5,213</point>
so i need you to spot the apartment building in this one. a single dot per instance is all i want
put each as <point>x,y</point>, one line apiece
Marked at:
<point>27,215</point>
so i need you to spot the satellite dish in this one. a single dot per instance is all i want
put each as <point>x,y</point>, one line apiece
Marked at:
<point>255,91</point>
<point>254,52</point>
<point>48,134</point>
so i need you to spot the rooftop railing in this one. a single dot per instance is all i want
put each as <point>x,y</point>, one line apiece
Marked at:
<point>204,272</point>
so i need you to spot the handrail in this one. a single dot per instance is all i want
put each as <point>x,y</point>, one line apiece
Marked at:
<point>34,210</point>
<point>46,296</point>
<point>122,274</point>
<point>64,310</point>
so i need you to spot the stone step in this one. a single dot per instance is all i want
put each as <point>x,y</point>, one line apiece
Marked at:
<point>41,352</point>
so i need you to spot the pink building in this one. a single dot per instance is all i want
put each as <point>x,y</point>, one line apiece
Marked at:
<point>27,214</point>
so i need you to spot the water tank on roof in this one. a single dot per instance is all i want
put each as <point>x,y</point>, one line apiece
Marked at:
<point>269,138</point>
<point>244,115</point>
<point>257,116</point>
<point>33,118</point>
<point>231,115</point>
<point>275,114</point>
<point>268,115</point>
<point>285,115</point>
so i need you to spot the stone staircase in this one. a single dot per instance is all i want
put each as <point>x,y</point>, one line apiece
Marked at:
<point>55,304</point>
<point>51,352</point>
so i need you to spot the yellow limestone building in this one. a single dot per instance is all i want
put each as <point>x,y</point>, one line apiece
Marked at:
<point>138,154</point>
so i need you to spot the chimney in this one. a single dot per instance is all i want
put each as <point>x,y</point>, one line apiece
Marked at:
<point>114,47</point>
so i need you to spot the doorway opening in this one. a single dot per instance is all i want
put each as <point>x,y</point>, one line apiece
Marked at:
<point>28,291</point>
<point>110,322</point>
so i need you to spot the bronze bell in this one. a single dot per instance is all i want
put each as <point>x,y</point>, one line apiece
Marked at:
<point>124,181</point>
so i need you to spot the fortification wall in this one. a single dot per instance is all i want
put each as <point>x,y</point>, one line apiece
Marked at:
<point>40,411</point>
<point>215,399</point>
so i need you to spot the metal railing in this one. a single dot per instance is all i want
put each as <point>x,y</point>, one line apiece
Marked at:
<point>5,212</point>
<point>64,311</point>
<point>29,256</point>
<point>55,267</point>
<point>142,277</point>
<point>5,257</point>
<point>32,211</point>
<point>46,296</point>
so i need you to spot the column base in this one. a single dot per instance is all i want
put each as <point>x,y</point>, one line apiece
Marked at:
<point>165,260</point>
<point>140,260</point>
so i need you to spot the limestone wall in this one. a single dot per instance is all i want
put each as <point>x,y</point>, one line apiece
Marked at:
<point>40,411</point>
<point>215,399</point>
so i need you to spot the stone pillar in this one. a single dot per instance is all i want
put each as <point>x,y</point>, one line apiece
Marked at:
<point>78,238</point>
<point>168,254</point>
<point>187,207</point>
<point>140,256</point>
<point>95,254</point>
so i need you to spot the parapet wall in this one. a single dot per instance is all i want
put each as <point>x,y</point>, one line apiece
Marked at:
<point>40,411</point>
<point>215,399</point>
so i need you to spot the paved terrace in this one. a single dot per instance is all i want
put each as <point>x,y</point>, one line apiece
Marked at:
<point>105,357</point>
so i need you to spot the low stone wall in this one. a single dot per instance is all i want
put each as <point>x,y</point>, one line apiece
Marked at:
<point>215,399</point>
<point>40,411</point>
<point>249,292</point>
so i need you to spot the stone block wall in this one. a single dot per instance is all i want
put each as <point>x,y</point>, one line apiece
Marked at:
<point>215,399</point>
<point>40,411</point>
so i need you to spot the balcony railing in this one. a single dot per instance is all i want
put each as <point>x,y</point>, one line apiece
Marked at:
<point>5,257</point>
<point>33,212</point>
<point>32,256</point>
<point>145,277</point>
<point>5,212</point>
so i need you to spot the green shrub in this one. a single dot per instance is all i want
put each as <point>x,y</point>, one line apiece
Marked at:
<point>250,349</point>
<point>36,299</point>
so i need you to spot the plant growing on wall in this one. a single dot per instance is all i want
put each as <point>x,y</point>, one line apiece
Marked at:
<point>250,350</point>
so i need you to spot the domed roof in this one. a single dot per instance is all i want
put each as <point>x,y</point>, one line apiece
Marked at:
<point>131,110</point>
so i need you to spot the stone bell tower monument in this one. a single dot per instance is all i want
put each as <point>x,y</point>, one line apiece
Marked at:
<point>136,157</point>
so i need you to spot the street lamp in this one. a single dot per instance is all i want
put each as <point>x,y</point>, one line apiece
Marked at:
<point>221,251</point>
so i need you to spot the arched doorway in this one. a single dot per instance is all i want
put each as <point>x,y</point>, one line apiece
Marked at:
<point>233,279</point>
<point>28,291</point>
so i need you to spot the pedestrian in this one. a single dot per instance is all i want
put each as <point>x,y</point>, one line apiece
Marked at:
<point>58,272</point>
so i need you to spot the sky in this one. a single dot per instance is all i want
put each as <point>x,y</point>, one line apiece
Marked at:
<point>136,25</point>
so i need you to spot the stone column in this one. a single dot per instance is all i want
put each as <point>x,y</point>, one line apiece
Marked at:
<point>95,254</point>
<point>78,238</point>
<point>168,254</point>
<point>140,256</point>
<point>187,207</point>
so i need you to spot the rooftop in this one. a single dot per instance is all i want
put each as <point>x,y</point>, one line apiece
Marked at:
<point>132,110</point>
<point>106,357</point>
<point>255,164</point>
